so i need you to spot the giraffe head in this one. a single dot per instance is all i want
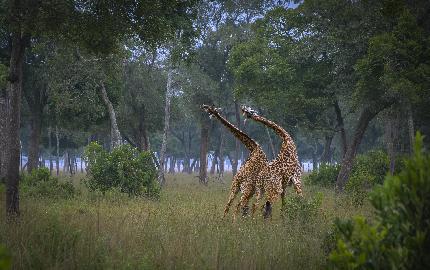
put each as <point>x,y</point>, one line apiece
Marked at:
<point>248,112</point>
<point>210,109</point>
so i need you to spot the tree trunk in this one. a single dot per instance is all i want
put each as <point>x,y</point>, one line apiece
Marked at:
<point>143,140</point>
<point>204,142</point>
<point>221,155</point>
<point>178,164</point>
<point>391,136</point>
<point>345,170</point>
<point>197,167</point>
<point>34,141</point>
<point>411,130</point>
<point>169,94</point>
<point>214,163</point>
<point>165,165</point>
<point>172,161</point>
<point>13,142</point>
<point>51,165</point>
<point>235,162</point>
<point>115,135</point>
<point>186,168</point>
<point>341,127</point>
<point>20,158</point>
<point>193,164</point>
<point>272,147</point>
<point>314,162</point>
<point>71,165</point>
<point>57,138</point>
<point>190,141</point>
<point>3,134</point>
<point>66,162</point>
<point>326,155</point>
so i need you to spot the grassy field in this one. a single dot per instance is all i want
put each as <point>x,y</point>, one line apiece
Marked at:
<point>181,230</point>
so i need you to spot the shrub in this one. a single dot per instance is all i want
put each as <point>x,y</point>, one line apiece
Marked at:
<point>374,163</point>
<point>125,168</point>
<point>5,260</point>
<point>325,176</point>
<point>40,183</point>
<point>303,209</point>
<point>368,171</point>
<point>400,236</point>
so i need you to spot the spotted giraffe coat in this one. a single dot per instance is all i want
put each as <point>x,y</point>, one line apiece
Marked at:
<point>245,179</point>
<point>284,170</point>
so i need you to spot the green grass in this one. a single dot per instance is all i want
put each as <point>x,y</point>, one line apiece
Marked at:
<point>182,230</point>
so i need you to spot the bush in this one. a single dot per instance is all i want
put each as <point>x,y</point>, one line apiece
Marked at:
<point>325,176</point>
<point>40,183</point>
<point>400,236</point>
<point>302,209</point>
<point>125,168</point>
<point>368,171</point>
<point>5,260</point>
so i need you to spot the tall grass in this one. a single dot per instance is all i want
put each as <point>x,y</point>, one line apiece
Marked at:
<point>181,230</point>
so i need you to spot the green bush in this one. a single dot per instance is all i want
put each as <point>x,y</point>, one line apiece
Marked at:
<point>40,183</point>
<point>400,236</point>
<point>5,260</point>
<point>325,176</point>
<point>303,210</point>
<point>368,171</point>
<point>131,171</point>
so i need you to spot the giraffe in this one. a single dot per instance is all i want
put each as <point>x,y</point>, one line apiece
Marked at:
<point>284,170</point>
<point>245,179</point>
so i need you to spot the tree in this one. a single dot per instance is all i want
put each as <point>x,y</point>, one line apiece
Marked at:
<point>170,88</point>
<point>315,63</point>
<point>3,122</point>
<point>140,112</point>
<point>392,72</point>
<point>35,92</point>
<point>105,24</point>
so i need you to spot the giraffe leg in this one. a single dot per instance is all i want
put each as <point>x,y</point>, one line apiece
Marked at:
<point>233,192</point>
<point>268,206</point>
<point>258,195</point>
<point>283,200</point>
<point>285,182</point>
<point>246,195</point>
<point>297,185</point>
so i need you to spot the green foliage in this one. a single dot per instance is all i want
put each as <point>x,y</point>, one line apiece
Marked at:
<point>326,175</point>
<point>3,76</point>
<point>368,171</point>
<point>304,210</point>
<point>40,183</point>
<point>400,237</point>
<point>361,246</point>
<point>126,168</point>
<point>5,260</point>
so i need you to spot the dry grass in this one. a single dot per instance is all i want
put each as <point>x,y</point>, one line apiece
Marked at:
<point>182,230</point>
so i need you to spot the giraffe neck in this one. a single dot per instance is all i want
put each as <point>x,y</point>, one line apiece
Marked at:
<point>278,129</point>
<point>249,143</point>
<point>288,147</point>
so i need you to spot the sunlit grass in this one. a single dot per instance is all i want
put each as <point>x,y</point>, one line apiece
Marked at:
<point>181,230</point>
